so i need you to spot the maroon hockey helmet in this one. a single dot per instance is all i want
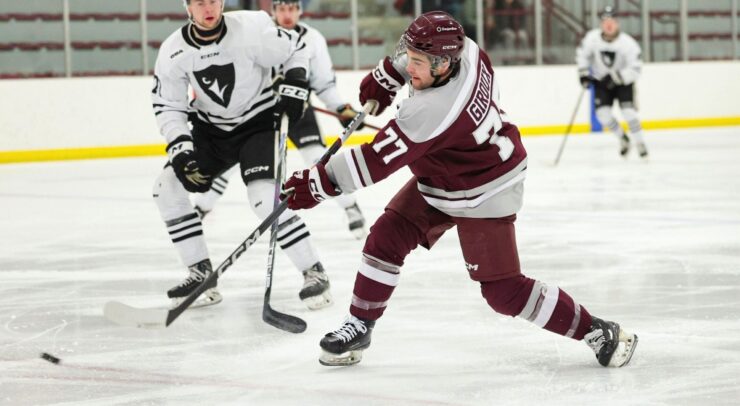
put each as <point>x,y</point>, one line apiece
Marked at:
<point>436,34</point>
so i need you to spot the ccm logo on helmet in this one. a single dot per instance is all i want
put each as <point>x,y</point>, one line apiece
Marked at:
<point>446,47</point>
<point>440,29</point>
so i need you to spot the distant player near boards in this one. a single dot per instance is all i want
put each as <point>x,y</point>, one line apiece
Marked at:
<point>227,59</point>
<point>611,61</point>
<point>468,166</point>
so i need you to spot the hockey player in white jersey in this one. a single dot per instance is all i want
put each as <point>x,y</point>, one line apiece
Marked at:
<point>610,60</point>
<point>305,135</point>
<point>468,165</point>
<point>226,58</point>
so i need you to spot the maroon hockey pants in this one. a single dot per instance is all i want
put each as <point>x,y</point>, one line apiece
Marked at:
<point>491,258</point>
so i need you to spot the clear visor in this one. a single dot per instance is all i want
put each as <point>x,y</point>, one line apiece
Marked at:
<point>401,59</point>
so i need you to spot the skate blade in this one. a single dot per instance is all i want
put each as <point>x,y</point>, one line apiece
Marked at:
<point>319,302</point>
<point>339,360</point>
<point>208,298</point>
<point>625,349</point>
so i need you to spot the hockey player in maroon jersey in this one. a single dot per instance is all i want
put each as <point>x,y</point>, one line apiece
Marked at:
<point>469,166</point>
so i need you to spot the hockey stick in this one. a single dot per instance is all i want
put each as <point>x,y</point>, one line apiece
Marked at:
<point>332,113</point>
<point>570,125</point>
<point>271,316</point>
<point>126,315</point>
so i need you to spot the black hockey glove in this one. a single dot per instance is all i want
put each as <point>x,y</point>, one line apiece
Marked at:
<point>586,80</point>
<point>346,115</point>
<point>185,164</point>
<point>292,96</point>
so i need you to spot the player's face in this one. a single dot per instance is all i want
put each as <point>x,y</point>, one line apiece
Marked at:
<point>420,69</point>
<point>287,15</point>
<point>206,13</point>
<point>609,26</point>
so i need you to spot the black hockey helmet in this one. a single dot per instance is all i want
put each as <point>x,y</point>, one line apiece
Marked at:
<point>186,3</point>
<point>608,12</point>
<point>286,2</point>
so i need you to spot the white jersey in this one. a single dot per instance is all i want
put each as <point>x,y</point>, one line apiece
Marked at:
<point>321,78</point>
<point>619,58</point>
<point>231,77</point>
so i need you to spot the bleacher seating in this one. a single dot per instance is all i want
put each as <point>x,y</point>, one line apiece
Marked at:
<point>106,37</point>
<point>109,42</point>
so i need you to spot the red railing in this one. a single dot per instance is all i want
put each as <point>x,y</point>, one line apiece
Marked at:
<point>135,16</point>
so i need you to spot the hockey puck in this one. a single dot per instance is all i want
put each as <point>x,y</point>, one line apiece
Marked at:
<point>50,358</point>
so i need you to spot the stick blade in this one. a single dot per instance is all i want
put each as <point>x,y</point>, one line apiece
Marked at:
<point>283,321</point>
<point>128,316</point>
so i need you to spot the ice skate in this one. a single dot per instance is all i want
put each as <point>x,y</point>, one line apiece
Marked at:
<point>642,149</point>
<point>612,345</point>
<point>624,145</point>
<point>356,221</point>
<point>198,273</point>
<point>315,292</point>
<point>344,346</point>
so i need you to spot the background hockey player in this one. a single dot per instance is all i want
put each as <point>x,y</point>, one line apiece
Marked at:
<point>469,166</point>
<point>227,58</point>
<point>611,60</point>
<point>305,134</point>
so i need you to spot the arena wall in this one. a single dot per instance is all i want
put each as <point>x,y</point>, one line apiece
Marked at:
<point>78,118</point>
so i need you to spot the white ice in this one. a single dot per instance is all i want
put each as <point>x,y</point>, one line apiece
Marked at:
<point>652,245</point>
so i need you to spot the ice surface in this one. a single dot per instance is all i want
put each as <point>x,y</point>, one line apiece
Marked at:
<point>653,245</point>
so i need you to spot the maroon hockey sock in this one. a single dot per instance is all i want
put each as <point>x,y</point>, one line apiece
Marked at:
<point>391,238</point>
<point>547,307</point>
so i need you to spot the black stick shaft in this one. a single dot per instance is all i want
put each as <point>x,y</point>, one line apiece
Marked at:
<point>570,125</point>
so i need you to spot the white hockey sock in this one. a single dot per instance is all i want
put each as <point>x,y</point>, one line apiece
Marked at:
<point>183,224</point>
<point>633,121</point>
<point>312,153</point>
<point>293,236</point>
<point>606,118</point>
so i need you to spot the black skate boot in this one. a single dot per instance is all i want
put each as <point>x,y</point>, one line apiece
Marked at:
<point>612,345</point>
<point>642,150</point>
<point>198,273</point>
<point>624,145</point>
<point>315,292</point>
<point>345,346</point>
<point>356,221</point>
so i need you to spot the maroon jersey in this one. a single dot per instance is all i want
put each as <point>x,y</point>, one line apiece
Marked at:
<point>467,157</point>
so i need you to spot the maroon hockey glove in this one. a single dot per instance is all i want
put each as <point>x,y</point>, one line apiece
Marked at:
<point>381,84</point>
<point>346,115</point>
<point>309,187</point>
